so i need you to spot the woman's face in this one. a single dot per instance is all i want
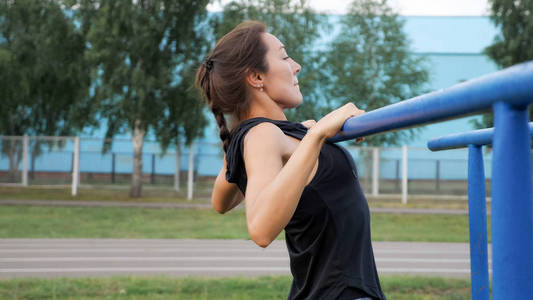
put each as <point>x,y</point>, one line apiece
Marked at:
<point>280,82</point>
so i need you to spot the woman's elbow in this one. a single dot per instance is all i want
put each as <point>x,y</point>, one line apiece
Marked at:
<point>216,206</point>
<point>260,239</point>
<point>219,210</point>
<point>262,242</point>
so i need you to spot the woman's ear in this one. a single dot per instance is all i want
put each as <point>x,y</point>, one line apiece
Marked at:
<point>255,80</point>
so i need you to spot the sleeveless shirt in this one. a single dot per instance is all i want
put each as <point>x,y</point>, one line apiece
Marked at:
<point>328,237</point>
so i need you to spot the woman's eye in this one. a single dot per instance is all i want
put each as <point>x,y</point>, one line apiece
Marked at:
<point>285,58</point>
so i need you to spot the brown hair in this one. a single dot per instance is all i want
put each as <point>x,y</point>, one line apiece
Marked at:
<point>222,76</point>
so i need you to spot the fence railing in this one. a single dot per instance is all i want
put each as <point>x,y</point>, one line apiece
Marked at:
<point>385,172</point>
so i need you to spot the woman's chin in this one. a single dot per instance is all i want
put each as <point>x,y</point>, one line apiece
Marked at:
<point>296,103</point>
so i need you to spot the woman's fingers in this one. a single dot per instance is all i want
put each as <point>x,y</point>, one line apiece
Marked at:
<point>309,123</point>
<point>332,123</point>
<point>355,112</point>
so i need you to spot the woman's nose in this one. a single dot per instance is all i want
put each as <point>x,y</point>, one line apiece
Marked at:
<point>297,68</point>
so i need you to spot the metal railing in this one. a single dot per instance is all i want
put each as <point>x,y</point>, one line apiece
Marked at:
<point>477,210</point>
<point>508,92</point>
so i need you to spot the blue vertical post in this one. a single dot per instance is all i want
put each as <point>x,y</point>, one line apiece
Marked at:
<point>477,215</point>
<point>512,205</point>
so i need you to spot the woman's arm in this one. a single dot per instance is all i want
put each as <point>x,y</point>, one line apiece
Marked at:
<point>225,195</point>
<point>273,189</point>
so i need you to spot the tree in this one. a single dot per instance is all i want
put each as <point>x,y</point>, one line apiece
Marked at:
<point>186,119</point>
<point>370,63</point>
<point>44,78</point>
<point>138,50</point>
<point>513,44</point>
<point>298,27</point>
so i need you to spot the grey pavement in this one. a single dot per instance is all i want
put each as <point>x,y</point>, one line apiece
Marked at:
<point>107,257</point>
<point>163,205</point>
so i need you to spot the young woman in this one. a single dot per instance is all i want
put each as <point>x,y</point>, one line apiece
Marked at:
<point>290,177</point>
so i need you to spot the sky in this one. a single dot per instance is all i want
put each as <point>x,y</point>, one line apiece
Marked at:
<point>403,7</point>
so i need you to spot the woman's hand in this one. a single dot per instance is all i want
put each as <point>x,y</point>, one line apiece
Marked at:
<point>311,123</point>
<point>332,123</point>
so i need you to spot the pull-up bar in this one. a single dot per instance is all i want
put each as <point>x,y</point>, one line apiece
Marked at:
<point>513,85</point>
<point>479,137</point>
<point>508,92</point>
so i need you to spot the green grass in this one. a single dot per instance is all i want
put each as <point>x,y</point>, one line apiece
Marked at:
<point>94,194</point>
<point>238,288</point>
<point>98,222</point>
<point>166,195</point>
<point>426,228</point>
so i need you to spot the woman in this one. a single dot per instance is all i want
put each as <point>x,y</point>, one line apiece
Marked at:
<point>290,177</point>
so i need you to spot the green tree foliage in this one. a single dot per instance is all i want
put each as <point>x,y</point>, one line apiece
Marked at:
<point>370,63</point>
<point>185,111</point>
<point>298,27</point>
<point>514,43</point>
<point>44,77</point>
<point>141,53</point>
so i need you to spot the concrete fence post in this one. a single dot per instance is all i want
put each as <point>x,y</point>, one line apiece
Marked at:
<point>190,183</point>
<point>76,166</point>
<point>375,171</point>
<point>25,154</point>
<point>404,174</point>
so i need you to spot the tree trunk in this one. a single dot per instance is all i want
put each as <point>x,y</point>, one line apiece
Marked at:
<point>178,167</point>
<point>136,177</point>
<point>15,156</point>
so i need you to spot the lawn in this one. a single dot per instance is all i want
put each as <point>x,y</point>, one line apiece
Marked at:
<point>238,288</point>
<point>154,194</point>
<point>99,222</point>
<point>104,193</point>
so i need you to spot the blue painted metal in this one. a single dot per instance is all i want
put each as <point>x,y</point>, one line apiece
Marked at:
<point>476,200</point>
<point>479,137</point>
<point>513,85</point>
<point>477,215</point>
<point>512,204</point>
<point>508,92</point>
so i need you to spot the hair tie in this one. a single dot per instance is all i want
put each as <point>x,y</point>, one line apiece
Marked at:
<point>209,64</point>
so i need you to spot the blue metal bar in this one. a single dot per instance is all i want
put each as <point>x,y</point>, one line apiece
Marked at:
<point>460,140</point>
<point>476,200</point>
<point>512,205</point>
<point>477,215</point>
<point>513,85</point>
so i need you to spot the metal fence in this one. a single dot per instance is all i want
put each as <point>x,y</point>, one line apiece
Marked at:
<point>58,160</point>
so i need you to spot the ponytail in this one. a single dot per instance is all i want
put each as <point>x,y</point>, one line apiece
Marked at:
<point>221,78</point>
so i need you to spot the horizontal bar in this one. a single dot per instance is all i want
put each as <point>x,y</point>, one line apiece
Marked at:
<point>460,140</point>
<point>513,85</point>
<point>38,137</point>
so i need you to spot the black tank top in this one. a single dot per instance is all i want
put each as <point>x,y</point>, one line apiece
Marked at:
<point>328,237</point>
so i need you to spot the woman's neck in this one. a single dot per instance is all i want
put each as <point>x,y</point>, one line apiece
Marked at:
<point>266,108</point>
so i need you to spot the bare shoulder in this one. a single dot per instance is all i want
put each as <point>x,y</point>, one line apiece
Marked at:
<point>264,138</point>
<point>264,146</point>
